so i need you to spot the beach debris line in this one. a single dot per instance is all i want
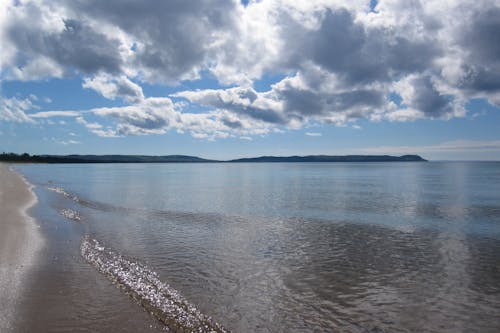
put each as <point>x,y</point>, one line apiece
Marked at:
<point>71,214</point>
<point>144,285</point>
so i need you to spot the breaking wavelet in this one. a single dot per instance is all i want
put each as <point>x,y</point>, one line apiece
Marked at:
<point>71,214</point>
<point>63,192</point>
<point>144,285</point>
<point>140,282</point>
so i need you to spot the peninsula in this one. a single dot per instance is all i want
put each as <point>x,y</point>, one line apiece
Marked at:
<point>11,157</point>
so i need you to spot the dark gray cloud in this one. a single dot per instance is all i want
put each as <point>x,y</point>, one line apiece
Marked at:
<point>359,55</point>
<point>160,41</point>
<point>481,42</point>
<point>232,123</point>
<point>312,99</point>
<point>428,100</point>
<point>480,78</point>
<point>172,37</point>
<point>299,103</point>
<point>482,36</point>
<point>356,98</point>
<point>77,46</point>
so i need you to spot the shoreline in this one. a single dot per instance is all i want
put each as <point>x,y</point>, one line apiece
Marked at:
<point>20,242</point>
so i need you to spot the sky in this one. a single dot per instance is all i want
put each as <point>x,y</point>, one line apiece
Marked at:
<point>227,79</point>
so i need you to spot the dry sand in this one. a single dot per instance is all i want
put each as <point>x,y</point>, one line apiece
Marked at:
<point>20,241</point>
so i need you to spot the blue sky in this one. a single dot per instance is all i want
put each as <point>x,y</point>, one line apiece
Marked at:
<point>222,80</point>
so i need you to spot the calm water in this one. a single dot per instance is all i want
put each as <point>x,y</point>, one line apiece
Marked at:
<point>361,247</point>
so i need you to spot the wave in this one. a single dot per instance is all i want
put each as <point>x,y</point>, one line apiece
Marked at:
<point>87,203</point>
<point>71,214</point>
<point>139,281</point>
<point>144,285</point>
<point>106,207</point>
<point>62,191</point>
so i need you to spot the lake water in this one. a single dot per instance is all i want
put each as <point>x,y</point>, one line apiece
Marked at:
<point>293,247</point>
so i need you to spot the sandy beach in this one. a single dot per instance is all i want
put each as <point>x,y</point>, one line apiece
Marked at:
<point>20,241</point>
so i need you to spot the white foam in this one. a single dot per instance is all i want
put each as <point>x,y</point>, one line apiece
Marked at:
<point>62,191</point>
<point>144,285</point>
<point>70,214</point>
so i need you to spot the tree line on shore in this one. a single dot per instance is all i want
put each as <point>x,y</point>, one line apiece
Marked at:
<point>27,158</point>
<point>13,157</point>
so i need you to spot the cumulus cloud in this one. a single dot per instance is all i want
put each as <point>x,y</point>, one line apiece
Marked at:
<point>480,64</point>
<point>312,95</point>
<point>14,109</point>
<point>158,41</point>
<point>97,128</point>
<point>112,87</point>
<point>171,39</point>
<point>244,101</point>
<point>338,61</point>
<point>49,114</point>
<point>157,115</point>
<point>69,142</point>
<point>48,43</point>
<point>153,115</point>
<point>349,63</point>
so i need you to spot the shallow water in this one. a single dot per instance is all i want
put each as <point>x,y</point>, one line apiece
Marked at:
<point>351,247</point>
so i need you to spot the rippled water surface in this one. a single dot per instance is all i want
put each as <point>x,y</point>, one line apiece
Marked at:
<point>349,247</point>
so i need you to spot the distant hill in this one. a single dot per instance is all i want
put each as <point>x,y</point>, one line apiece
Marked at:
<point>102,158</point>
<point>328,158</point>
<point>10,157</point>
<point>131,159</point>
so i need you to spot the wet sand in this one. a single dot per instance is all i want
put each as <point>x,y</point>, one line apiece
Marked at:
<point>20,241</point>
<point>45,285</point>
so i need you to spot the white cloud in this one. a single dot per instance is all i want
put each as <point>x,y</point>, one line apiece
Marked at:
<point>68,142</point>
<point>36,69</point>
<point>340,61</point>
<point>97,128</point>
<point>14,109</point>
<point>310,95</point>
<point>49,114</point>
<point>159,115</point>
<point>113,87</point>
<point>313,134</point>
